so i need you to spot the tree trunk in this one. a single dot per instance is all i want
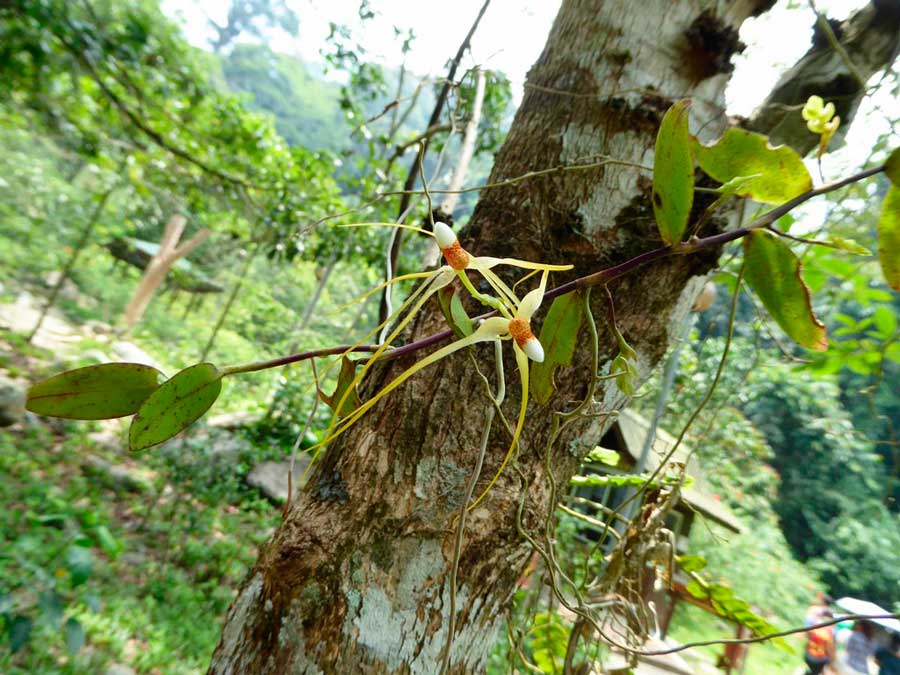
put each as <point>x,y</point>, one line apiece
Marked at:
<point>356,578</point>
<point>158,268</point>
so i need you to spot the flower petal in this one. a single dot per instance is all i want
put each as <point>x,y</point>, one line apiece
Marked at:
<point>532,301</point>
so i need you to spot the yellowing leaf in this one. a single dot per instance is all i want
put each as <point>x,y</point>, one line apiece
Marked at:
<point>889,237</point>
<point>94,393</point>
<point>176,405</point>
<point>892,167</point>
<point>557,336</point>
<point>848,245</point>
<point>773,272</point>
<point>345,380</point>
<point>781,172</point>
<point>673,174</point>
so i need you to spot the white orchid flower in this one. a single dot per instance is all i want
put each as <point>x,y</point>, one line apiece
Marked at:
<point>514,323</point>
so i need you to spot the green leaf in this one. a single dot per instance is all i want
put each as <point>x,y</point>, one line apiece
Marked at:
<point>673,174</point>
<point>74,635</point>
<point>176,405</point>
<point>885,321</point>
<point>558,337</point>
<point>454,313</point>
<point>603,456</point>
<point>691,563</point>
<point>773,272</point>
<point>19,631</point>
<point>739,153</point>
<point>79,562</point>
<point>892,167</point>
<point>697,589</point>
<point>889,237</point>
<point>612,480</point>
<point>106,541</point>
<point>95,392</point>
<point>345,379</point>
<point>848,245</point>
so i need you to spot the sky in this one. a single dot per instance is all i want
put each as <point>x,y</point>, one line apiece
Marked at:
<point>512,34</point>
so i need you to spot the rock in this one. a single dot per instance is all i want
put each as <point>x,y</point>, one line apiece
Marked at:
<point>271,478</point>
<point>95,355</point>
<point>115,476</point>
<point>119,669</point>
<point>69,290</point>
<point>131,353</point>
<point>107,440</point>
<point>234,420</point>
<point>12,402</point>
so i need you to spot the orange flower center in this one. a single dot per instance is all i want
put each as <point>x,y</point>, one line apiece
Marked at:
<point>520,330</point>
<point>456,256</point>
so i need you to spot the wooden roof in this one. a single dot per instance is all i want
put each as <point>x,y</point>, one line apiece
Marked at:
<point>633,429</point>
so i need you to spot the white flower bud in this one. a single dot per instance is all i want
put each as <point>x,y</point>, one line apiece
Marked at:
<point>444,236</point>
<point>533,350</point>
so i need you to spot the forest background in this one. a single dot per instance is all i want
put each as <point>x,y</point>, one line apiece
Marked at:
<point>133,560</point>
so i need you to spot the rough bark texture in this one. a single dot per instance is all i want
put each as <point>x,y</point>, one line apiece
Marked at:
<point>355,580</point>
<point>871,38</point>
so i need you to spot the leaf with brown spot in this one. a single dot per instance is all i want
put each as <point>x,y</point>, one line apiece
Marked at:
<point>773,272</point>
<point>889,237</point>
<point>177,404</point>
<point>100,392</point>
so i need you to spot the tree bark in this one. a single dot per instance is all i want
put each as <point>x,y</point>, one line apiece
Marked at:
<point>356,578</point>
<point>157,269</point>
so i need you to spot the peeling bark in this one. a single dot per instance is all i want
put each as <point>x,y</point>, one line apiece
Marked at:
<point>355,580</point>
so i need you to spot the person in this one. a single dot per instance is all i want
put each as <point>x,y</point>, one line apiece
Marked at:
<point>888,658</point>
<point>819,605</point>
<point>859,647</point>
<point>819,650</point>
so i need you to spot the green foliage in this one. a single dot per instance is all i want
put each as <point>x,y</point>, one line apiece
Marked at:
<point>175,405</point>
<point>94,392</point>
<point>305,108</point>
<point>559,335</point>
<point>773,272</point>
<point>780,172</point>
<point>673,174</point>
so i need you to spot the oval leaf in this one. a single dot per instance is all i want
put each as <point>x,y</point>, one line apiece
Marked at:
<point>780,172</point>
<point>176,405</point>
<point>673,174</point>
<point>773,272</point>
<point>558,339</point>
<point>889,237</point>
<point>95,392</point>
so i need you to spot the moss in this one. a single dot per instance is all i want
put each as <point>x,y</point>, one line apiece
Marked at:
<point>382,553</point>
